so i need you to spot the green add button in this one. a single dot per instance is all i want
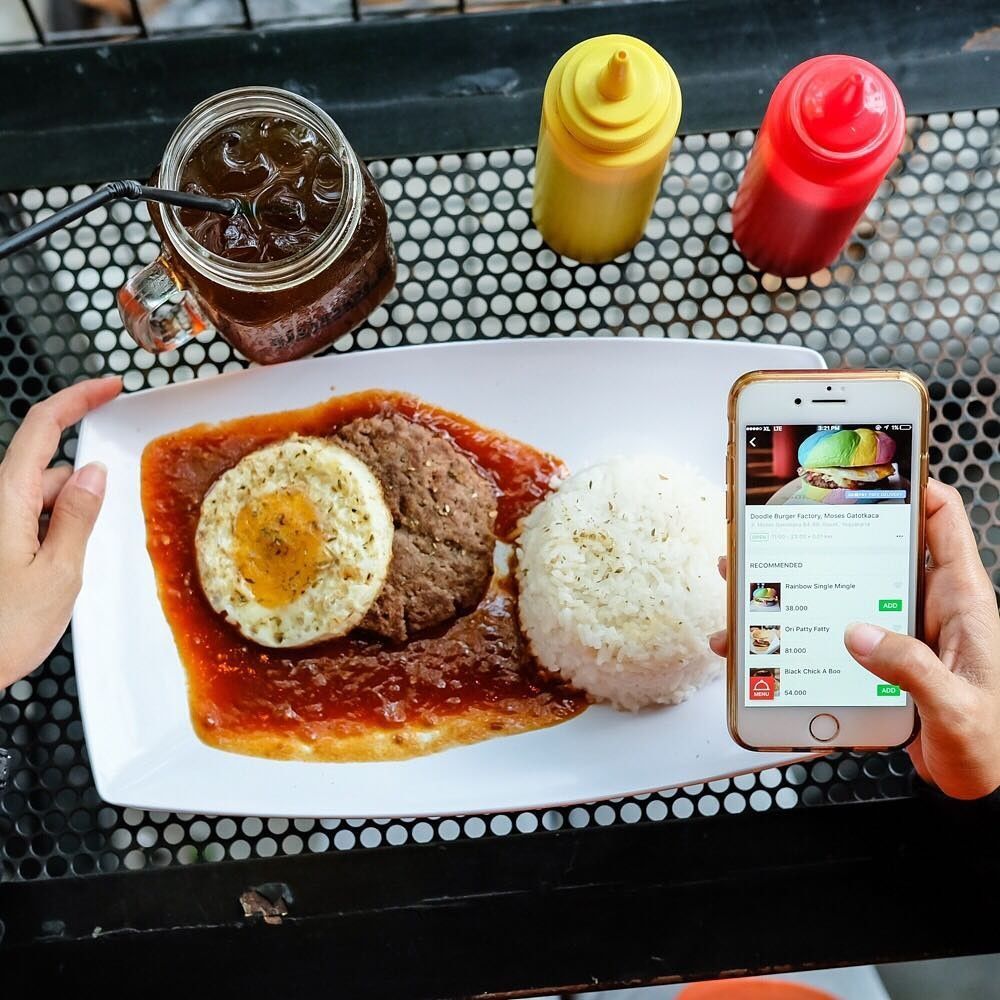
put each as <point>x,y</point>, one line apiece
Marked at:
<point>887,690</point>
<point>890,604</point>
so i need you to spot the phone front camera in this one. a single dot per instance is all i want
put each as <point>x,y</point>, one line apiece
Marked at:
<point>797,401</point>
<point>829,388</point>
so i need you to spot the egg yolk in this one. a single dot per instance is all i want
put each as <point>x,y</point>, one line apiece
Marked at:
<point>279,548</point>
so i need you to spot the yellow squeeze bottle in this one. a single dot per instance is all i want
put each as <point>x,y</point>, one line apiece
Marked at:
<point>609,114</point>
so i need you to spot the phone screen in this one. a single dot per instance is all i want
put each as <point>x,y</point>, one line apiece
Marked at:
<point>827,541</point>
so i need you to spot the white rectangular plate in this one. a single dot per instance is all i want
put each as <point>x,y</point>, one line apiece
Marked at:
<point>582,399</point>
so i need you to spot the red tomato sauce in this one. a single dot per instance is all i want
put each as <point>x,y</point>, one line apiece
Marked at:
<point>357,697</point>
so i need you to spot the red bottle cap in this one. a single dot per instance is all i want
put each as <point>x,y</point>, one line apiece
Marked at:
<point>842,115</point>
<point>752,989</point>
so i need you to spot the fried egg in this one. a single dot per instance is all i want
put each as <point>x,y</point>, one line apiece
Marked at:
<point>294,542</point>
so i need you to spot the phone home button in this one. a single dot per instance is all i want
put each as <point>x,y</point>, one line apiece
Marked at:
<point>824,727</point>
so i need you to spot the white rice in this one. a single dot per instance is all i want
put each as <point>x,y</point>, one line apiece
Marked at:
<point>619,588</point>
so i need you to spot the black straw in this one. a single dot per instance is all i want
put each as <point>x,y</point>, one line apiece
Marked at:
<point>130,191</point>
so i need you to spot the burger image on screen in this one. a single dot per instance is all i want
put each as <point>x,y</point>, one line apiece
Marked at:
<point>766,595</point>
<point>831,462</point>
<point>765,639</point>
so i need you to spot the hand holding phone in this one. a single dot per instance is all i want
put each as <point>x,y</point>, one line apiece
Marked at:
<point>826,475</point>
<point>957,689</point>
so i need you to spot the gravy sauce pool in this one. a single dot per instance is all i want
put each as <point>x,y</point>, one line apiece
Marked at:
<point>355,698</point>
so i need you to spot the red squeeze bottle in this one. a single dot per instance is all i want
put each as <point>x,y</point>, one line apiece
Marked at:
<point>833,127</point>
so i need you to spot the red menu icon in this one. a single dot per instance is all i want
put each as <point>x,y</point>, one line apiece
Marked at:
<point>763,688</point>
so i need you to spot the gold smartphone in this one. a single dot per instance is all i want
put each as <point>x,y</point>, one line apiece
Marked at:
<point>825,476</point>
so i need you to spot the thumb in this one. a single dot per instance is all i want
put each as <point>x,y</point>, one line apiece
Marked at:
<point>73,516</point>
<point>902,660</point>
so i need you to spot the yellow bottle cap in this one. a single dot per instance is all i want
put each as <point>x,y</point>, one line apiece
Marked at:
<point>615,92</point>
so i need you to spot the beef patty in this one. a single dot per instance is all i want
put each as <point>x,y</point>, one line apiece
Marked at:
<point>443,509</point>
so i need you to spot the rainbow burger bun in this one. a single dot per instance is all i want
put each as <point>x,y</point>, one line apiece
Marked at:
<point>765,595</point>
<point>846,449</point>
<point>833,462</point>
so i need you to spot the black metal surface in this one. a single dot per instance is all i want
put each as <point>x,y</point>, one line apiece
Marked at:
<point>459,83</point>
<point>645,888</point>
<point>917,288</point>
<point>543,913</point>
<point>733,876</point>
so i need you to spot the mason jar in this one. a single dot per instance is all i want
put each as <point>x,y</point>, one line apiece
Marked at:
<point>271,311</point>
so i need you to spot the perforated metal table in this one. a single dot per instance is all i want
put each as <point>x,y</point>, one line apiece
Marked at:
<point>916,288</point>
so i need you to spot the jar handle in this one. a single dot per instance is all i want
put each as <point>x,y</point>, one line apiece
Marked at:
<point>158,311</point>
